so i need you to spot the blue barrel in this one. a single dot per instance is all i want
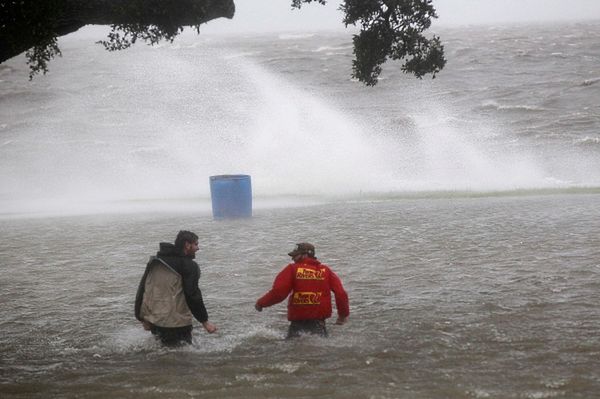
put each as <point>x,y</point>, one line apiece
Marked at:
<point>231,196</point>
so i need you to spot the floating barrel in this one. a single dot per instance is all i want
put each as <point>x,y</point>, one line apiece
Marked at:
<point>231,196</point>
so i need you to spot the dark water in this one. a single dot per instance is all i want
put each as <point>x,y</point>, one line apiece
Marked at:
<point>461,297</point>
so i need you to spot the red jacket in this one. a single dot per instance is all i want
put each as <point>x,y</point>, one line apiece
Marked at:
<point>310,283</point>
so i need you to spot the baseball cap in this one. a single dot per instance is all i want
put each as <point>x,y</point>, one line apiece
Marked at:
<point>303,248</point>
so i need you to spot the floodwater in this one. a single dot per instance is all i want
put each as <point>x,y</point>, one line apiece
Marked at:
<point>451,297</point>
<point>461,213</point>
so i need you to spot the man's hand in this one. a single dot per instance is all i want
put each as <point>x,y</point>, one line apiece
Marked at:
<point>341,320</point>
<point>258,307</point>
<point>147,326</point>
<point>209,327</point>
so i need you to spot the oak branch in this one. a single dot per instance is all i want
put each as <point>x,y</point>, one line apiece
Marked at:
<point>389,29</point>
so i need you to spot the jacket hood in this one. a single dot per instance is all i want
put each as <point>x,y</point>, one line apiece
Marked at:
<point>168,249</point>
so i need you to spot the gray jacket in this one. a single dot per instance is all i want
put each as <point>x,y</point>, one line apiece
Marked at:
<point>164,302</point>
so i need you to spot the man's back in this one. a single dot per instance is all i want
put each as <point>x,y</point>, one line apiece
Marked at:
<point>164,302</point>
<point>168,295</point>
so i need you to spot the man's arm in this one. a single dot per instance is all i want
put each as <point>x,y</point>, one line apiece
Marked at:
<point>193,295</point>
<point>281,288</point>
<point>341,298</point>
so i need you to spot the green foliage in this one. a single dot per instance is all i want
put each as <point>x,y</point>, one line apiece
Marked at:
<point>389,29</point>
<point>298,3</point>
<point>156,20</point>
<point>35,21</point>
<point>125,35</point>
<point>393,29</point>
<point>39,56</point>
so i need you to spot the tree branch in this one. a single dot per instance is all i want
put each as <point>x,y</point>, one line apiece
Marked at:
<point>35,24</point>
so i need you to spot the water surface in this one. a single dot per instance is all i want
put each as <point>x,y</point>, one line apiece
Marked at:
<point>450,297</point>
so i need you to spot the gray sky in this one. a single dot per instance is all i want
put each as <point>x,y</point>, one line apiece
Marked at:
<point>276,15</point>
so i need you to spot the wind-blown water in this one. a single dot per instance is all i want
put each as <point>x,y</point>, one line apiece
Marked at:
<point>461,214</point>
<point>514,109</point>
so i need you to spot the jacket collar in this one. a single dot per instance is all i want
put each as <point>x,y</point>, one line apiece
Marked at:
<point>309,261</point>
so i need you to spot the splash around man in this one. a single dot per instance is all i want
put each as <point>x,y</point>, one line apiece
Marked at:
<point>310,283</point>
<point>168,294</point>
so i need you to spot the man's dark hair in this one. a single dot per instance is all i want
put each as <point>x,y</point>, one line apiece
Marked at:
<point>185,236</point>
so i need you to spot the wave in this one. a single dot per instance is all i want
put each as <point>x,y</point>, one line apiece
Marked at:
<point>589,82</point>
<point>295,36</point>
<point>588,141</point>
<point>271,115</point>
<point>243,54</point>
<point>202,206</point>
<point>331,49</point>
<point>490,104</point>
<point>449,194</point>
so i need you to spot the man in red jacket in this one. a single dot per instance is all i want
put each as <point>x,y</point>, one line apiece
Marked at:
<point>310,283</point>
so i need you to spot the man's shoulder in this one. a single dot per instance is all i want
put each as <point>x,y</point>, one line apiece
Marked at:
<point>179,263</point>
<point>189,266</point>
<point>314,262</point>
<point>326,267</point>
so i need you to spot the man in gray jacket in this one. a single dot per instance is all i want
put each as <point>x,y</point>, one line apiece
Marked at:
<point>168,295</point>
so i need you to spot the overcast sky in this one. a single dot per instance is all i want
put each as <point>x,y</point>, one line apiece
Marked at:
<point>276,15</point>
